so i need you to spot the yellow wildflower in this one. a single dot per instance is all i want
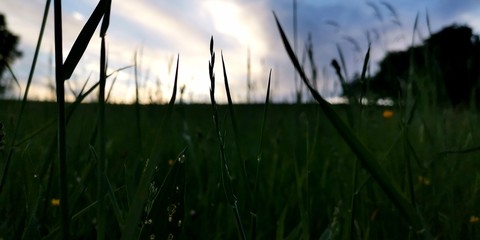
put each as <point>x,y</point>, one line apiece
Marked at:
<point>170,162</point>
<point>55,202</point>
<point>387,114</point>
<point>474,219</point>
<point>424,180</point>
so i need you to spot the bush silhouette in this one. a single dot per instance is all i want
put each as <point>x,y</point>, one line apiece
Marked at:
<point>8,51</point>
<point>445,69</point>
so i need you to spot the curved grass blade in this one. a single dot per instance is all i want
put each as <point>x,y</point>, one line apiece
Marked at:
<point>369,162</point>
<point>166,209</point>
<point>114,81</point>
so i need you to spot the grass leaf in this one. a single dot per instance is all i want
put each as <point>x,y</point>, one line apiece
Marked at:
<point>166,208</point>
<point>367,159</point>
<point>140,196</point>
<point>83,39</point>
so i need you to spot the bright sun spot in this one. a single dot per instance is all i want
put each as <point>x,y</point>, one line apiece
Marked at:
<point>229,20</point>
<point>78,16</point>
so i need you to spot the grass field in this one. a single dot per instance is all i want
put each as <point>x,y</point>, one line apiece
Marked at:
<point>265,171</point>
<point>304,186</point>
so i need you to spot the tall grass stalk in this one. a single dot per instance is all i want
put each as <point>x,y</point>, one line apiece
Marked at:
<point>25,95</point>
<point>356,169</point>
<point>102,161</point>
<point>233,116</point>
<point>369,162</point>
<point>346,91</point>
<point>63,71</point>
<point>137,102</point>
<point>61,128</point>
<point>225,172</point>
<point>169,196</point>
<point>344,65</point>
<point>311,60</point>
<point>249,80</point>
<point>138,202</point>
<point>259,160</point>
<point>298,84</point>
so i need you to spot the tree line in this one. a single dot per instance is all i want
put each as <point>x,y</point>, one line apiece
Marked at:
<point>8,52</point>
<point>444,70</point>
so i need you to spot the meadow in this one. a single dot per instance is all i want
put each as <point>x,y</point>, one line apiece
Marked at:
<point>299,172</point>
<point>259,171</point>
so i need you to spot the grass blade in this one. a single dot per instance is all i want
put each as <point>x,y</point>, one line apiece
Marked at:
<point>170,195</point>
<point>233,118</point>
<point>363,79</point>
<point>138,202</point>
<point>137,103</point>
<point>61,125</point>
<point>115,206</point>
<point>24,101</point>
<point>225,172</point>
<point>367,159</point>
<point>111,193</point>
<point>114,80</point>
<point>13,75</point>
<point>102,162</point>
<point>259,159</point>
<point>106,18</point>
<point>83,39</point>
<point>344,65</point>
<point>428,22</point>
<point>415,26</point>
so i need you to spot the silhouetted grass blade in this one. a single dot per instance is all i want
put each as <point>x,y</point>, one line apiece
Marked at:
<point>259,160</point>
<point>83,39</point>
<point>174,91</point>
<point>367,159</point>
<point>344,65</point>
<point>363,80</point>
<point>233,117</point>
<point>165,207</point>
<point>106,18</point>
<point>224,169</point>
<point>24,101</point>
<point>415,26</point>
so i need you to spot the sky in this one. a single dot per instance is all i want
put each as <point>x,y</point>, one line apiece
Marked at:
<point>157,31</point>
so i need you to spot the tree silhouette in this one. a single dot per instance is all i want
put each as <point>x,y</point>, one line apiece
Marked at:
<point>8,51</point>
<point>457,54</point>
<point>445,69</point>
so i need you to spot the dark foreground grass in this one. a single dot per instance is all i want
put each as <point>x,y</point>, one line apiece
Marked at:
<point>292,172</point>
<point>303,186</point>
